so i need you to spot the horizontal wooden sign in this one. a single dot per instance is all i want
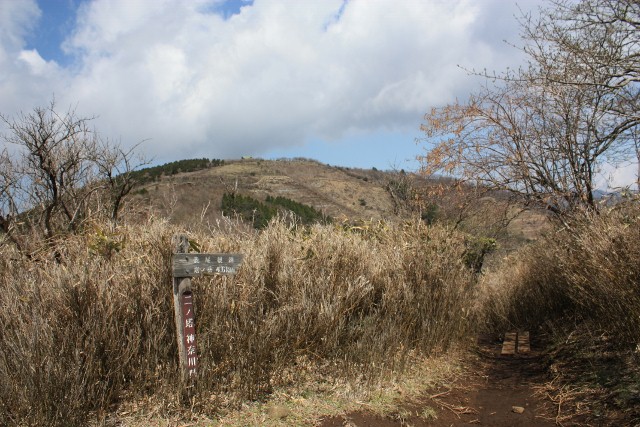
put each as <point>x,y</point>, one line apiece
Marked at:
<point>193,265</point>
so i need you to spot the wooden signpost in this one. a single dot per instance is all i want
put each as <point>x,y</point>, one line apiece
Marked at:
<point>186,266</point>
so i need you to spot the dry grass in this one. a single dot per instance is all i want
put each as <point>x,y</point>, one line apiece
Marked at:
<point>74,335</point>
<point>592,380</point>
<point>589,273</point>
<point>80,336</point>
<point>312,391</point>
<point>579,287</point>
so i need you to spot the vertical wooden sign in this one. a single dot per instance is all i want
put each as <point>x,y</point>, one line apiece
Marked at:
<point>181,287</point>
<point>185,266</point>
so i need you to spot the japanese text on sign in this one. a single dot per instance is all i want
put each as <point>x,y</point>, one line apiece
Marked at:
<point>190,265</point>
<point>189,333</point>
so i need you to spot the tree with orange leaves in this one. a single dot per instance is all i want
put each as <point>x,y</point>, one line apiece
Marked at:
<point>543,131</point>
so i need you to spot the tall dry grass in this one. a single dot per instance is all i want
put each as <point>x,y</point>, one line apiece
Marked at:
<point>580,289</point>
<point>587,274</point>
<point>74,335</point>
<point>77,336</point>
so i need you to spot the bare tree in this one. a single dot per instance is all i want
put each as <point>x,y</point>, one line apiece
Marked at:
<point>637,143</point>
<point>8,190</point>
<point>541,132</point>
<point>115,169</point>
<point>62,173</point>
<point>598,39</point>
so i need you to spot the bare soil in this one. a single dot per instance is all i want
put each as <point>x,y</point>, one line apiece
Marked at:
<point>485,394</point>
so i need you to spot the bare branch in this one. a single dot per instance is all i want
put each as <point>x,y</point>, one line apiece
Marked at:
<point>63,174</point>
<point>542,131</point>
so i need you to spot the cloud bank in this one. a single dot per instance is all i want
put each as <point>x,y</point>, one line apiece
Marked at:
<point>194,81</point>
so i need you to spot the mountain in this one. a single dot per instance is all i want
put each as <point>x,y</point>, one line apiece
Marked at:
<point>336,192</point>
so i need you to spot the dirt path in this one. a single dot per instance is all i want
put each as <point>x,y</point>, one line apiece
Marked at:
<point>485,395</point>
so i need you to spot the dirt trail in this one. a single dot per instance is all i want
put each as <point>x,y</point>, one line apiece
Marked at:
<point>485,395</point>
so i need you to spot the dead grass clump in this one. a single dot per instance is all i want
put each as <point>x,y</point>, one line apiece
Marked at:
<point>361,299</point>
<point>580,288</point>
<point>593,381</point>
<point>525,290</point>
<point>74,334</point>
<point>78,335</point>
<point>589,273</point>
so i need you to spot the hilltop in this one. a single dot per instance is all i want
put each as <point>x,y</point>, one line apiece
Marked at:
<point>201,191</point>
<point>337,192</point>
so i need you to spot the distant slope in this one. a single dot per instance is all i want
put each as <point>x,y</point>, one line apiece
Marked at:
<point>342,193</point>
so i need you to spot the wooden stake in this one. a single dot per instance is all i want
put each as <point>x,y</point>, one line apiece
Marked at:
<point>181,285</point>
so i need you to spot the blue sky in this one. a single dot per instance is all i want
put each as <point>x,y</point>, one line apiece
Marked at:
<point>343,82</point>
<point>58,17</point>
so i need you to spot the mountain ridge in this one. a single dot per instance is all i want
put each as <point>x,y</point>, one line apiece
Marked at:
<point>345,194</point>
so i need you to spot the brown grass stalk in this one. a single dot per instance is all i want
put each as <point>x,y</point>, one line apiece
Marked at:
<point>78,336</point>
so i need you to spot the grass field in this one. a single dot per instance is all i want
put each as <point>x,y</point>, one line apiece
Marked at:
<point>320,319</point>
<point>80,335</point>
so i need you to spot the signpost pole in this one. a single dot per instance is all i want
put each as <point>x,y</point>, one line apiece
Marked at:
<point>181,286</point>
<point>185,266</point>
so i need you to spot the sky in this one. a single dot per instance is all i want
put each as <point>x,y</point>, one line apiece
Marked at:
<point>343,82</point>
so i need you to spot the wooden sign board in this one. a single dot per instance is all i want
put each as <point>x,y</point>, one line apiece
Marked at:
<point>185,266</point>
<point>194,265</point>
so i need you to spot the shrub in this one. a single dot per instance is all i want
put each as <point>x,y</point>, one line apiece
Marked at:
<point>154,173</point>
<point>248,209</point>
<point>477,248</point>
<point>430,213</point>
<point>305,214</point>
<point>259,213</point>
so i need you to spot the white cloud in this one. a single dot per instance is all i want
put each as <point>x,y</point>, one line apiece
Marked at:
<point>276,75</point>
<point>17,18</point>
<point>17,87</point>
<point>618,177</point>
<point>36,65</point>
